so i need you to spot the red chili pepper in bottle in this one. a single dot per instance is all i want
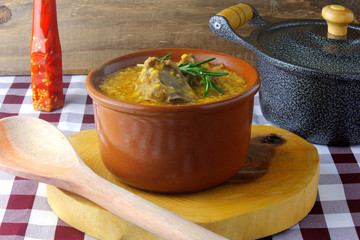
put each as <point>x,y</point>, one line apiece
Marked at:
<point>46,61</point>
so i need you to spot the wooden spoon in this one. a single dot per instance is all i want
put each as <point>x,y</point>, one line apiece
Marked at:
<point>35,149</point>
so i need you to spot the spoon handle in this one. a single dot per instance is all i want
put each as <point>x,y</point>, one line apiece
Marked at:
<point>137,210</point>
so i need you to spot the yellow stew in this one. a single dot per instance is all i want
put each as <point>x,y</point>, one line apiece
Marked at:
<point>121,85</point>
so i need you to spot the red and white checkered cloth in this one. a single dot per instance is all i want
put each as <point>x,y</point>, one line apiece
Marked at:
<point>25,213</point>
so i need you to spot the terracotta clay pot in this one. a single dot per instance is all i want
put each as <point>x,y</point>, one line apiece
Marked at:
<point>173,148</point>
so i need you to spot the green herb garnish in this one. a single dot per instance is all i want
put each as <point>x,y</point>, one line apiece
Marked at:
<point>194,70</point>
<point>165,57</point>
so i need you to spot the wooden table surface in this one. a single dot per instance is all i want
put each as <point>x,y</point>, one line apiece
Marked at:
<point>92,31</point>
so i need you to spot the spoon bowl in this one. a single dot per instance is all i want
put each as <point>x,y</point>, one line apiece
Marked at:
<point>35,149</point>
<point>36,153</point>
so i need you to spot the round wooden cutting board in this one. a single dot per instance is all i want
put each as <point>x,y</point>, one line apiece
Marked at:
<point>275,189</point>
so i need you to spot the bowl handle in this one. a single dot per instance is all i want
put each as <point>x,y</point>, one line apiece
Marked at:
<point>338,19</point>
<point>225,22</point>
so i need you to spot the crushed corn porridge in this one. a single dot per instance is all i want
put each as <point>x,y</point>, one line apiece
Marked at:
<point>121,85</point>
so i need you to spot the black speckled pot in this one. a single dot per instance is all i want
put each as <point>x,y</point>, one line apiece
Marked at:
<point>310,83</point>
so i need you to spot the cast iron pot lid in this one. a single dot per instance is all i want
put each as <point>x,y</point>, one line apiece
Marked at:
<point>305,43</point>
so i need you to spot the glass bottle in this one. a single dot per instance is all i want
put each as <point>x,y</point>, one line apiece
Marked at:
<point>46,60</point>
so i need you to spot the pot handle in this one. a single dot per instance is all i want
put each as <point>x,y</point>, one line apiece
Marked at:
<point>225,22</point>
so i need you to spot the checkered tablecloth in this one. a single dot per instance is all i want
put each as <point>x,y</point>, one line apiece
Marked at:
<point>25,213</point>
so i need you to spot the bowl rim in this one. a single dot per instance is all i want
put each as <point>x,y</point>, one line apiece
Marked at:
<point>119,105</point>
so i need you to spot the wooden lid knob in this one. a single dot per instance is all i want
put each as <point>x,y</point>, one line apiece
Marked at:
<point>337,18</point>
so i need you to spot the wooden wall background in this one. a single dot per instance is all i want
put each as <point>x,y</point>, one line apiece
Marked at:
<point>92,31</point>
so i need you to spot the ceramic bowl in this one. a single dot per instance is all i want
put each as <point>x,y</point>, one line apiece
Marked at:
<point>173,149</point>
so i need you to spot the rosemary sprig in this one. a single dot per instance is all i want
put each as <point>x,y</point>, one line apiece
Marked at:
<point>193,70</point>
<point>166,56</point>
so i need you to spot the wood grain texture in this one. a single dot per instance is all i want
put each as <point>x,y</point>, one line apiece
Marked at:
<point>92,31</point>
<point>34,149</point>
<point>274,190</point>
